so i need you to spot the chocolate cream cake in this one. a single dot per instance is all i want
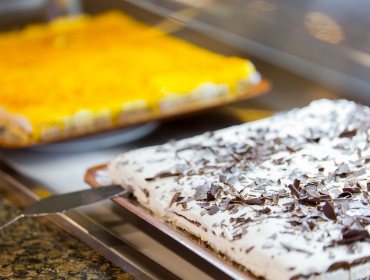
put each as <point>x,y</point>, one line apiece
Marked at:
<point>285,197</point>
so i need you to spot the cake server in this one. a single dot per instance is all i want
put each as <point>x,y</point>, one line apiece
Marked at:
<point>57,204</point>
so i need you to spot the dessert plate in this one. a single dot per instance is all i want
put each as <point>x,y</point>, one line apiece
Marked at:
<point>98,176</point>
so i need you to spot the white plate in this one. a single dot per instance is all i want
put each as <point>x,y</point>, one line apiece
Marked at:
<point>98,141</point>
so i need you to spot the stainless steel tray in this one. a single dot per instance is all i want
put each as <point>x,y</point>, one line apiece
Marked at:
<point>95,176</point>
<point>87,230</point>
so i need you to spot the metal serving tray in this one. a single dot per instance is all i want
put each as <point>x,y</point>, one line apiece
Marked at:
<point>95,177</point>
<point>84,228</point>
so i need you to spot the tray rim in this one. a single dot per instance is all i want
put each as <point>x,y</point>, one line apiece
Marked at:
<point>189,108</point>
<point>167,229</point>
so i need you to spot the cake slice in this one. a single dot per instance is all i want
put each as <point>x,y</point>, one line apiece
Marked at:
<point>79,75</point>
<point>285,197</point>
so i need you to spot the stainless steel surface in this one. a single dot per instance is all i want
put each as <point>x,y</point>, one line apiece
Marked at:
<point>94,235</point>
<point>57,204</point>
<point>325,41</point>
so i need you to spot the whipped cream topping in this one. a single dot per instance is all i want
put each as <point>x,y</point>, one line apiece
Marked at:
<point>286,197</point>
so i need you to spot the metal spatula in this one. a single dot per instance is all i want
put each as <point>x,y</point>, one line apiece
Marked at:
<point>57,204</point>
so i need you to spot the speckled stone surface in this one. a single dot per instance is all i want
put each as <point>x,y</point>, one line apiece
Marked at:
<point>34,248</point>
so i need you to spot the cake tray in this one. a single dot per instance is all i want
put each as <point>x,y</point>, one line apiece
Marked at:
<point>7,132</point>
<point>98,176</point>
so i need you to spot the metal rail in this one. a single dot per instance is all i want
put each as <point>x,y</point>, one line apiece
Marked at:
<point>85,229</point>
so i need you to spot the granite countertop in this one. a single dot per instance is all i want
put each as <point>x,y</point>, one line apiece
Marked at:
<point>35,248</point>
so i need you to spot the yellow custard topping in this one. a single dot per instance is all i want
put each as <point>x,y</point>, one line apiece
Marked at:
<point>102,65</point>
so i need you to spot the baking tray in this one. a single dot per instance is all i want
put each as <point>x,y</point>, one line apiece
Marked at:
<point>98,176</point>
<point>150,116</point>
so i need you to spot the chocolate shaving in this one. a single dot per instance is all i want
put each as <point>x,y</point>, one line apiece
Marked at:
<point>224,205</point>
<point>249,249</point>
<point>311,225</point>
<point>353,235</point>
<point>265,210</point>
<point>348,133</point>
<point>342,170</point>
<point>243,221</point>
<point>313,140</point>
<point>234,210</point>
<point>213,210</point>
<point>149,179</point>
<point>146,192</point>
<point>167,174</point>
<point>328,210</point>
<point>201,193</point>
<point>180,199</point>
<point>294,191</point>
<point>210,197</point>
<point>352,190</point>
<point>275,198</point>
<point>237,200</point>
<point>347,195</point>
<point>311,200</point>
<point>255,201</point>
<point>232,180</point>
<point>174,198</point>
<point>204,204</point>
<point>223,178</point>
<point>359,172</point>
<point>289,248</point>
<point>214,189</point>
<point>296,183</point>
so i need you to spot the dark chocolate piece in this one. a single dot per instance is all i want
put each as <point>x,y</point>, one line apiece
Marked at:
<point>223,178</point>
<point>210,197</point>
<point>213,210</point>
<point>289,248</point>
<point>204,204</point>
<point>348,133</point>
<point>146,192</point>
<point>296,183</point>
<point>347,195</point>
<point>167,174</point>
<point>174,198</point>
<point>352,190</point>
<point>201,193</point>
<point>353,235</point>
<point>311,225</point>
<point>311,200</point>
<point>329,211</point>
<point>249,249</point>
<point>342,170</point>
<point>255,201</point>
<point>237,200</point>
<point>294,191</point>
<point>264,210</point>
